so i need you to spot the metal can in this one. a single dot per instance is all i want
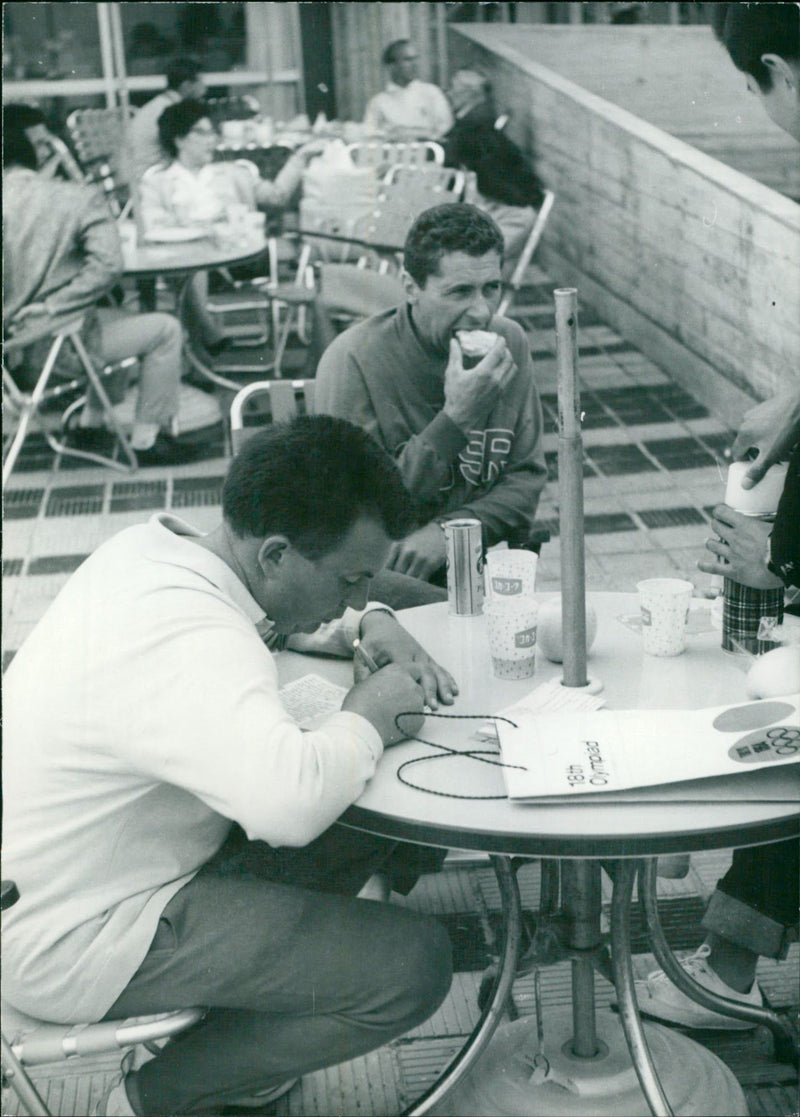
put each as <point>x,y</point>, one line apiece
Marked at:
<point>464,543</point>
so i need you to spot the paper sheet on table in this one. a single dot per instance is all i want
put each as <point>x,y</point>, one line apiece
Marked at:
<point>610,750</point>
<point>310,699</point>
<point>550,697</point>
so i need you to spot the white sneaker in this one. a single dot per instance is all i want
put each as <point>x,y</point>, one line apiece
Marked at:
<point>658,997</point>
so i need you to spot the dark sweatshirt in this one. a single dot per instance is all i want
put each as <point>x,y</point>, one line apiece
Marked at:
<point>382,376</point>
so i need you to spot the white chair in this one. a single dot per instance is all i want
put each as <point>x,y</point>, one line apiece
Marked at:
<point>24,407</point>
<point>287,398</point>
<point>384,154</point>
<point>535,235</point>
<point>28,1042</point>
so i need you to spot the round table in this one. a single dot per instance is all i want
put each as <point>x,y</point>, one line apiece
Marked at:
<point>630,827</point>
<point>183,258</point>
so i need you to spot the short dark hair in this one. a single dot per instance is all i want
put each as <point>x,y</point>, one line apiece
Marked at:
<point>177,121</point>
<point>181,70</point>
<point>18,151</point>
<point>455,227</point>
<point>311,479</point>
<point>751,30</point>
<point>388,56</point>
<point>21,116</point>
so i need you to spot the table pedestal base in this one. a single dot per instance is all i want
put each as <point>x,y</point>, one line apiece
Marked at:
<point>695,1081</point>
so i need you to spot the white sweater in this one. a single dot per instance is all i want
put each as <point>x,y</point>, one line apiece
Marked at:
<point>141,716</point>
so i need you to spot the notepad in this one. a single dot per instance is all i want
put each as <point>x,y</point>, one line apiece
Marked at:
<point>310,699</point>
<point>575,754</point>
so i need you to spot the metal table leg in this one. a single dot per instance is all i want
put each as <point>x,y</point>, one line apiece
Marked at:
<point>624,876</point>
<point>648,882</point>
<point>492,1014</point>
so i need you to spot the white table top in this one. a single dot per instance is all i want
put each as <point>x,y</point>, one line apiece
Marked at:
<point>183,257</point>
<point>715,813</point>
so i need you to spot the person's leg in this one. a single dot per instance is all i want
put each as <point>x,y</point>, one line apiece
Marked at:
<point>156,340</point>
<point>294,980</point>
<point>753,911</point>
<point>199,322</point>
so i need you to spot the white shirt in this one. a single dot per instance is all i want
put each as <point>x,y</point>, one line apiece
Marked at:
<point>144,131</point>
<point>142,714</point>
<point>418,105</point>
<point>175,195</point>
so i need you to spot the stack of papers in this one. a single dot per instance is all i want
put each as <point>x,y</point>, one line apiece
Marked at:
<point>590,752</point>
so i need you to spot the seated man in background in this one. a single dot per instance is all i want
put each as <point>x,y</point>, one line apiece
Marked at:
<point>170,826</point>
<point>508,189</point>
<point>184,83</point>
<point>407,109</point>
<point>55,160</point>
<point>61,254</point>
<point>468,442</point>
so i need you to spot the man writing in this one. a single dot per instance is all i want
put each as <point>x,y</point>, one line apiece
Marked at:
<point>467,441</point>
<point>407,109</point>
<point>143,718</point>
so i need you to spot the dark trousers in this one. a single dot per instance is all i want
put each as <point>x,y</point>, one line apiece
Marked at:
<point>755,903</point>
<point>296,974</point>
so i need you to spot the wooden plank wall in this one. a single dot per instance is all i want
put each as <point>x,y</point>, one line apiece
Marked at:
<point>692,261</point>
<point>361,31</point>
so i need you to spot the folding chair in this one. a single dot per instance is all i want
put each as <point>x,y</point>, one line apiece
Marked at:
<point>27,1042</point>
<point>25,406</point>
<point>430,179</point>
<point>287,398</point>
<point>535,235</point>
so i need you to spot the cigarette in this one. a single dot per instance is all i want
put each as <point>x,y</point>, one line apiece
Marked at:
<point>360,653</point>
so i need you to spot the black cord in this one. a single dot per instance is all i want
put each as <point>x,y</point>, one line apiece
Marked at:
<point>481,755</point>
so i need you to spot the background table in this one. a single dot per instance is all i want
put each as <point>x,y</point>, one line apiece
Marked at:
<point>730,811</point>
<point>149,258</point>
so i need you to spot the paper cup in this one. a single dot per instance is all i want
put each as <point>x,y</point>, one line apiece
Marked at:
<point>511,625</point>
<point>664,605</point>
<point>763,498</point>
<point>510,573</point>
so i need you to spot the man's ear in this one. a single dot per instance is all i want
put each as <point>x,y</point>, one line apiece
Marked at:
<point>780,69</point>
<point>271,554</point>
<point>412,288</point>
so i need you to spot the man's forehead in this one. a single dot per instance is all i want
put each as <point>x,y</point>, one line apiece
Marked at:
<point>461,266</point>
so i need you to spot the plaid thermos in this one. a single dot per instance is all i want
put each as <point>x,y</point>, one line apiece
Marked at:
<point>743,607</point>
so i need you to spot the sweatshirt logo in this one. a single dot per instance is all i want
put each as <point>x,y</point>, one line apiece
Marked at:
<point>485,456</point>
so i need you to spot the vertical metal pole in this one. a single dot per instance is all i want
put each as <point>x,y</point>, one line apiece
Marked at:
<point>570,490</point>
<point>580,892</point>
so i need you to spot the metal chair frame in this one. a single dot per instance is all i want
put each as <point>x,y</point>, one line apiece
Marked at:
<point>27,405</point>
<point>283,398</point>
<point>532,243</point>
<point>385,153</point>
<point>27,1042</point>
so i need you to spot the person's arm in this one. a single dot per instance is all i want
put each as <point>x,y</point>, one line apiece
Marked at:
<point>511,502</point>
<point>374,117</point>
<point>157,213</point>
<point>424,459</point>
<point>442,113</point>
<point>772,428</point>
<point>98,240</point>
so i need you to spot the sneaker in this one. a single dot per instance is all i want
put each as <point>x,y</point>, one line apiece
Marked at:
<point>166,450</point>
<point>263,1097</point>
<point>115,1102</point>
<point>658,997</point>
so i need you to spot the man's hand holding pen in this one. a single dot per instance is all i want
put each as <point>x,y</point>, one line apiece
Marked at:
<point>394,674</point>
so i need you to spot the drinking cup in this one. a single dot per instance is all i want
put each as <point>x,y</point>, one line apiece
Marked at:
<point>664,605</point>
<point>510,573</point>
<point>511,626</point>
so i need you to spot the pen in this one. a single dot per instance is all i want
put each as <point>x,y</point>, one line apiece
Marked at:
<point>360,653</point>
